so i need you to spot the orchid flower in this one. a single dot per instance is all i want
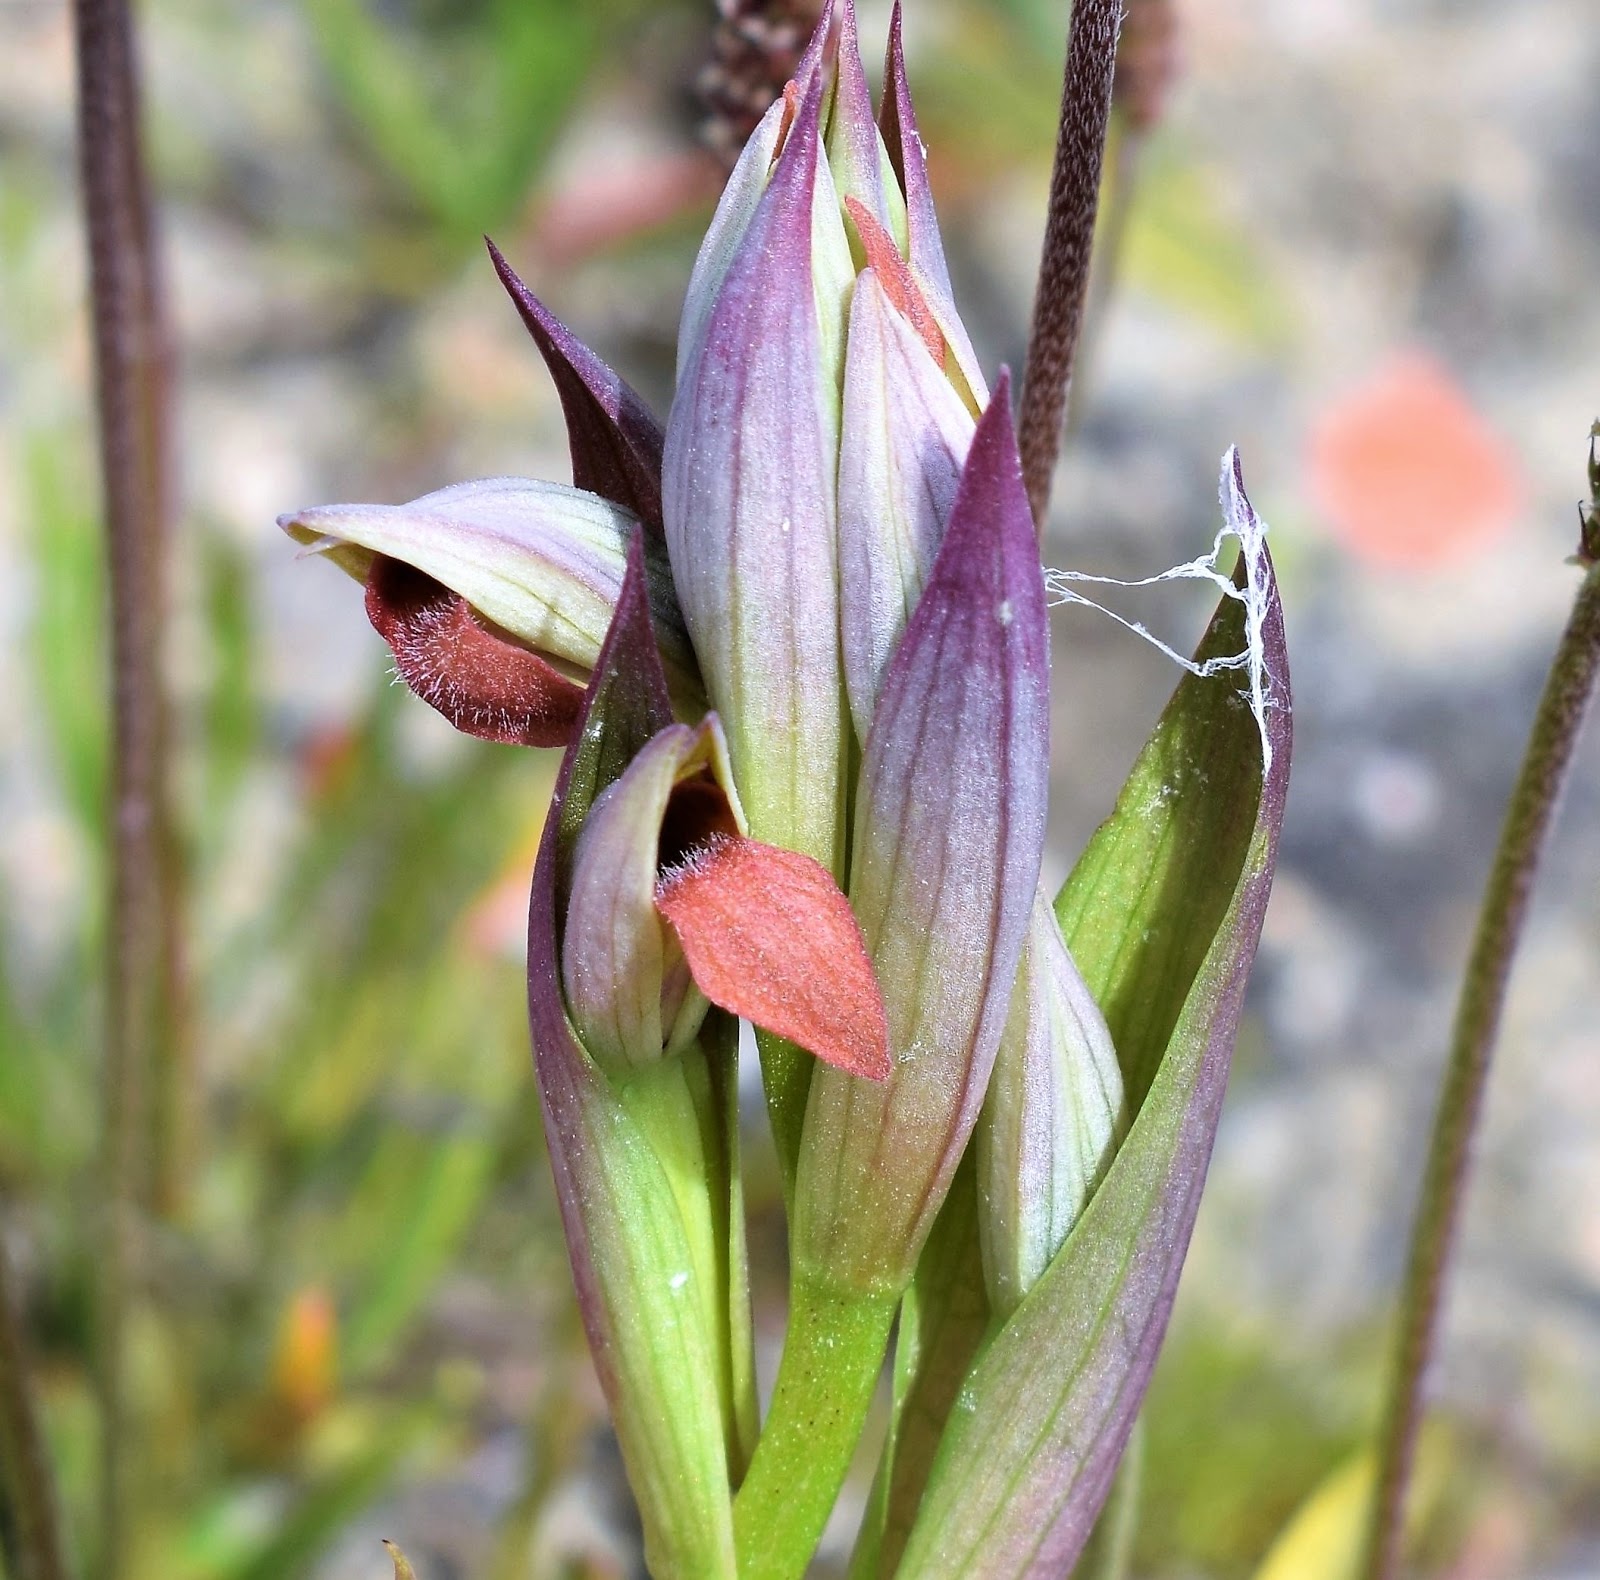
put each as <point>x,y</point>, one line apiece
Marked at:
<point>795,645</point>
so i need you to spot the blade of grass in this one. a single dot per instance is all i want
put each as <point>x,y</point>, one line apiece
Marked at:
<point>30,1522</point>
<point>1568,694</point>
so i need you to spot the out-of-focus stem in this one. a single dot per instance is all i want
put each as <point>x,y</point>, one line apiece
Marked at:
<point>1568,693</point>
<point>141,920</point>
<point>29,1511</point>
<point>1125,148</point>
<point>1110,1549</point>
<point>1058,302</point>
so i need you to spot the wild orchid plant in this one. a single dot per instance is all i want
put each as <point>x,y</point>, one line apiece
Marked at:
<point>795,648</point>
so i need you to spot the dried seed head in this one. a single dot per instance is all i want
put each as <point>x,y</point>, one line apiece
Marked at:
<point>1149,58</point>
<point>755,48</point>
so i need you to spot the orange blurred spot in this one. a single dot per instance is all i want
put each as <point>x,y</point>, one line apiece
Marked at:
<point>496,921</point>
<point>325,759</point>
<point>303,1363</point>
<point>1408,473</point>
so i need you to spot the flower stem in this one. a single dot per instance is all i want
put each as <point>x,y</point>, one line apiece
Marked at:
<point>1058,302</point>
<point>29,1517</point>
<point>142,916</point>
<point>832,1356</point>
<point>1568,692</point>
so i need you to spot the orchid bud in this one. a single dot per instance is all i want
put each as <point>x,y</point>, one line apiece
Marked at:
<point>826,398</point>
<point>1052,1120</point>
<point>906,435</point>
<point>495,597</point>
<point>672,905</point>
<point>628,987</point>
<point>748,497</point>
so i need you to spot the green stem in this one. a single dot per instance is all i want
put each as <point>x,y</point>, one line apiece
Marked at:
<point>786,1081</point>
<point>29,1518</point>
<point>688,1111</point>
<point>1568,693</point>
<point>141,923</point>
<point>832,1356</point>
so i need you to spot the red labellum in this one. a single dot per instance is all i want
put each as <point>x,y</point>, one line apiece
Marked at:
<point>482,682</point>
<point>895,276</point>
<point>769,936</point>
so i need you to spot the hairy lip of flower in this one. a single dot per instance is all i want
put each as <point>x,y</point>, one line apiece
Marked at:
<point>483,681</point>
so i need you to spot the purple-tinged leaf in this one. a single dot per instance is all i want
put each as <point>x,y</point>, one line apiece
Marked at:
<point>949,833</point>
<point>666,1337</point>
<point>614,437</point>
<point>901,452</point>
<point>1163,914</point>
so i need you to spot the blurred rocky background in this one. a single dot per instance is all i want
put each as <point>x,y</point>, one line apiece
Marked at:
<point>1360,238</point>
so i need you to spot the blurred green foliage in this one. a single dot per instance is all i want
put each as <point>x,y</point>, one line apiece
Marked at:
<point>460,102</point>
<point>364,1082</point>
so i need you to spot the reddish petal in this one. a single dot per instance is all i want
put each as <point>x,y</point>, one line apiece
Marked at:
<point>769,936</point>
<point>483,683</point>
<point>895,278</point>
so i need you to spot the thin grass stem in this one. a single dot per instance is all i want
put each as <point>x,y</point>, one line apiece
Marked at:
<point>1568,694</point>
<point>142,923</point>
<point>30,1520</point>
<point>1058,303</point>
